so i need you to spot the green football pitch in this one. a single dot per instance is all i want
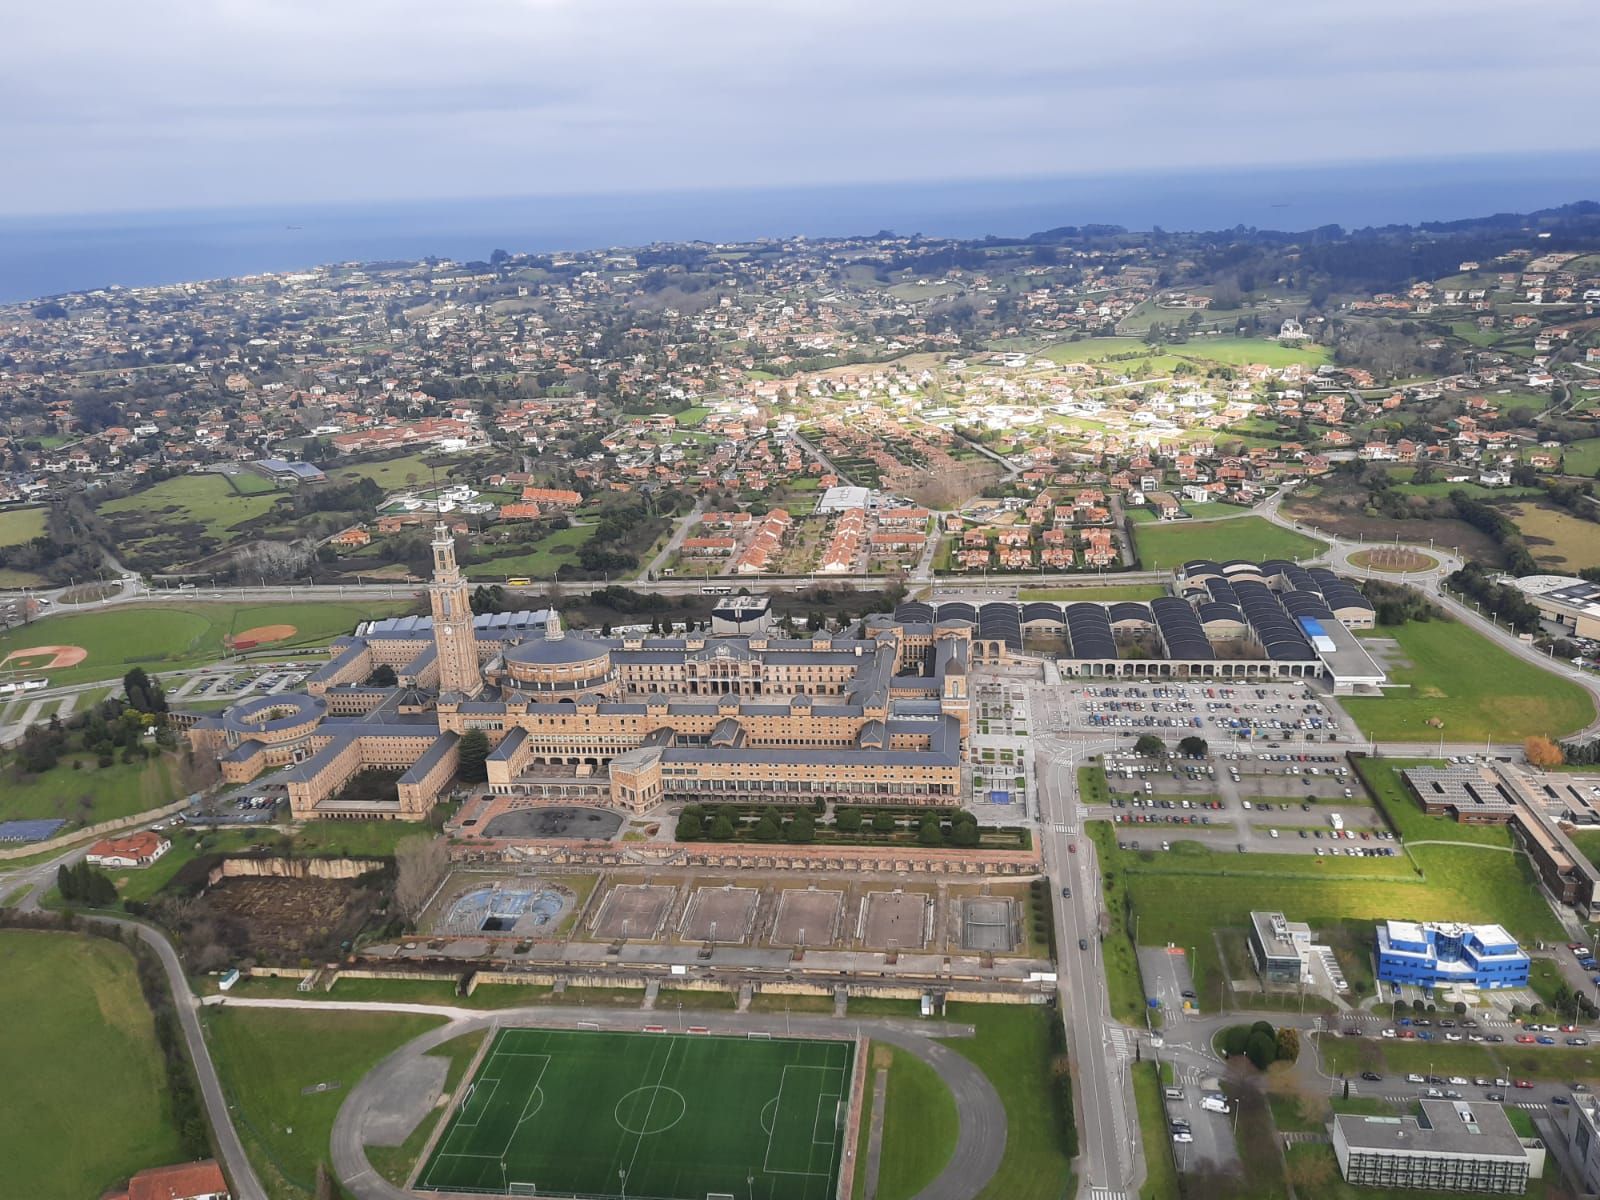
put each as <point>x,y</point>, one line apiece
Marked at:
<point>557,1112</point>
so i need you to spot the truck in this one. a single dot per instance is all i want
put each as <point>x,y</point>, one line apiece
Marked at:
<point>1337,822</point>
<point>1215,1103</point>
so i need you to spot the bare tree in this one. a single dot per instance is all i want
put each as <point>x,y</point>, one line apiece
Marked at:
<point>420,863</point>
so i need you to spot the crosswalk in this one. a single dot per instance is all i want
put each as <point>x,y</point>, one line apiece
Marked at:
<point>1106,1194</point>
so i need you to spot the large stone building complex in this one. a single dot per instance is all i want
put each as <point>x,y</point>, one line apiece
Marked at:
<point>630,722</point>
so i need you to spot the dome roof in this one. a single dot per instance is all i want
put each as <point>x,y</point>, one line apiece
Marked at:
<point>555,652</point>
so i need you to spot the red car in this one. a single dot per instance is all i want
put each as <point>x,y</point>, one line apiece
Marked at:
<point>1569,1029</point>
<point>1408,1033</point>
<point>1072,847</point>
<point>1523,1083</point>
<point>1525,1038</point>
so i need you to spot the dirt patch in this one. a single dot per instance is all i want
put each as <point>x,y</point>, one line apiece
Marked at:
<point>633,910</point>
<point>895,920</point>
<point>262,634</point>
<point>274,920</point>
<point>720,914</point>
<point>44,658</point>
<point>807,918</point>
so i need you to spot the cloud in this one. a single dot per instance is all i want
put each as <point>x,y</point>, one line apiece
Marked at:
<point>170,103</point>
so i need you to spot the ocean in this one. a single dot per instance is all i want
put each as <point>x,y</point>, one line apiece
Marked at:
<point>44,255</point>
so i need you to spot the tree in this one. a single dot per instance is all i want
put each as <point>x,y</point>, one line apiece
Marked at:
<point>1234,1039</point>
<point>847,820</point>
<point>1149,745</point>
<point>883,822</point>
<point>1288,1044</point>
<point>1194,747</point>
<point>767,828</point>
<point>722,828</point>
<point>1261,1049</point>
<point>1461,1008</point>
<point>929,832</point>
<point>473,766</point>
<point>691,825</point>
<point>144,692</point>
<point>384,676</point>
<point>419,864</point>
<point>1542,752</point>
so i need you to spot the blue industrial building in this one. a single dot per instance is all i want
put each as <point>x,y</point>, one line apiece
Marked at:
<point>1429,955</point>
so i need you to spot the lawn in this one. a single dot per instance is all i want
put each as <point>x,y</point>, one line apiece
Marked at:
<point>355,839</point>
<point>1014,1048</point>
<point>182,632</point>
<point>83,1106</point>
<point>1131,591</point>
<point>604,1114</point>
<point>92,793</point>
<point>1465,687</point>
<point>1183,898</point>
<point>920,1127</point>
<point>1581,457</point>
<point>18,525</point>
<point>268,1057</point>
<point>1169,544</point>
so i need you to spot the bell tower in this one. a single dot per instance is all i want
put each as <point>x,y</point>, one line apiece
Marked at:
<point>454,642</point>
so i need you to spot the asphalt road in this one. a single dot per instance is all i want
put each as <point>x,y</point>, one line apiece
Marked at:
<point>980,1146</point>
<point>1108,1149</point>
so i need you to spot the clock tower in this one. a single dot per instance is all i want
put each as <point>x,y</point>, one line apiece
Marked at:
<point>454,641</point>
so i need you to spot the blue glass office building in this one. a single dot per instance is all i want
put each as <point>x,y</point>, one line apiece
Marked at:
<point>1428,955</point>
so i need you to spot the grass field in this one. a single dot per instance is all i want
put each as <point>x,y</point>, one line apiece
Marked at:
<point>182,633</point>
<point>392,474</point>
<point>1131,591</point>
<point>1581,457</point>
<point>1013,1048</point>
<point>1161,1173</point>
<point>99,793</point>
<point>1182,897</point>
<point>83,1106</point>
<point>920,1125</point>
<point>267,1058</point>
<point>18,525</point>
<point>1560,542</point>
<point>543,559</point>
<point>206,500</point>
<point>680,1116</point>
<point>1460,684</point>
<point>1172,543</point>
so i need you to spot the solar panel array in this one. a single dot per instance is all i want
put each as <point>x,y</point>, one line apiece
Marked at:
<point>1339,593</point>
<point>1128,610</point>
<point>1272,625</point>
<point>1089,631</point>
<point>1001,622</point>
<point>1181,632</point>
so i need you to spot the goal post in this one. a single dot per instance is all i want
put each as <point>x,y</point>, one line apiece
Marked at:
<point>513,1188</point>
<point>719,1196</point>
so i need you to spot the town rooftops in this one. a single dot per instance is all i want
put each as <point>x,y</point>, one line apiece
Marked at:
<point>185,1181</point>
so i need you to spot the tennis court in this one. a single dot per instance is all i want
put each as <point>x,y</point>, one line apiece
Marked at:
<point>652,1116</point>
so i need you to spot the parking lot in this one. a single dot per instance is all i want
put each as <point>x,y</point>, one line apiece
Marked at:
<point>1289,716</point>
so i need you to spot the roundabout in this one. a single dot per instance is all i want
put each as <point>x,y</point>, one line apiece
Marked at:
<point>1393,560</point>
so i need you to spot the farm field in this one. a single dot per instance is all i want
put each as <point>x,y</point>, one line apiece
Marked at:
<point>542,560</point>
<point>685,1115</point>
<point>184,518</point>
<point>393,474</point>
<point>1560,542</point>
<point>268,1058</point>
<point>1581,457</point>
<point>162,635</point>
<point>1239,352</point>
<point>18,525</point>
<point>77,1032</point>
<point>1171,543</point>
<point>91,792</point>
<point>1465,687</point>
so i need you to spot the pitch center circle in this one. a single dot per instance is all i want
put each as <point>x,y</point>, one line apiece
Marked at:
<point>650,1110</point>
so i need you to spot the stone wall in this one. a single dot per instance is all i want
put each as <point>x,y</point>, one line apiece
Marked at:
<point>72,837</point>
<point>292,868</point>
<point>746,857</point>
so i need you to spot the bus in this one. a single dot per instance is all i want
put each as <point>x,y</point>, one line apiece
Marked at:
<point>519,581</point>
<point>715,589</point>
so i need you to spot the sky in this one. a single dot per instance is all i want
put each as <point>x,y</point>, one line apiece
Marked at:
<point>122,107</point>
